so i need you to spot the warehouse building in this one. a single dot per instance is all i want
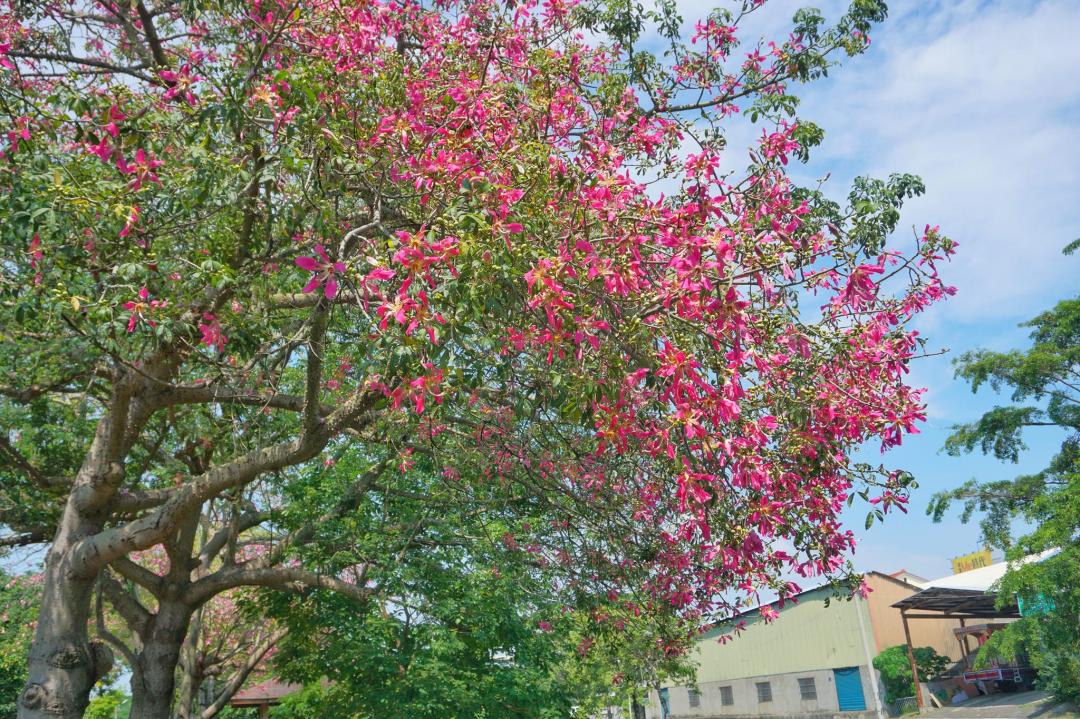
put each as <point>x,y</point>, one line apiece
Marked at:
<point>813,660</point>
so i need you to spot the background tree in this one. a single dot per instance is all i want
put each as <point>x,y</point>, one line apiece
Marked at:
<point>108,705</point>
<point>471,617</point>
<point>1044,382</point>
<point>239,240</point>
<point>228,643</point>
<point>20,600</point>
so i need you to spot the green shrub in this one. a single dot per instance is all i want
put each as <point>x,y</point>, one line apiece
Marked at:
<point>110,705</point>
<point>895,668</point>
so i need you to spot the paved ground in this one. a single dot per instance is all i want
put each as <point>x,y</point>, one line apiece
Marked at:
<point>1021,705</point>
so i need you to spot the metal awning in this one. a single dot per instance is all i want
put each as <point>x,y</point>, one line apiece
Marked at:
<point>938,602</point>
<point>957,603</point>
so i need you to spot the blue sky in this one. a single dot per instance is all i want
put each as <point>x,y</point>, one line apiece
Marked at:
<point>982,100</point>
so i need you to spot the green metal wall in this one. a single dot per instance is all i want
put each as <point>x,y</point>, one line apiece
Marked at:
<point>805,636</point>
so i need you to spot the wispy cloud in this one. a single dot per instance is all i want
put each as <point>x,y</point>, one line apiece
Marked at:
<point>980,98</point>
<point>982,101</point>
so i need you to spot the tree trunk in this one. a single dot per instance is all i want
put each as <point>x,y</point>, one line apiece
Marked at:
<point>153,680</point>
<point>191,675</point>
<point>188,701</point>
<point>63,663</point>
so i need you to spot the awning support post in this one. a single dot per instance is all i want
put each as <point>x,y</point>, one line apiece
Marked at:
<point>964,645</point>
<point>911,658</point>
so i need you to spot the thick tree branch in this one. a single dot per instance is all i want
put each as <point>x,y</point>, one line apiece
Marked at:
<point>134,501</point>
<point>132,70</point>
<point>150,31</point>
<point>20,462</point>
<point>102,471</point>
<point>320,320</point>
<point>25,395</point>
<point>131,609</point>
<point>242,575</point>
<point>91,554</point>
<point>300,300</point>
<point>21,540</point>
<point>104,633</point>
<point>216,543</point>
<point>140,575</point>
<point>222,395</point>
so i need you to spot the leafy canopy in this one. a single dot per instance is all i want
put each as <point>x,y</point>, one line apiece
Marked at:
<point>1043,383</point>
<point>269,268</point>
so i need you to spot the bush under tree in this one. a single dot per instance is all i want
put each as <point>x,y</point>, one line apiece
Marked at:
<point>895,668</point>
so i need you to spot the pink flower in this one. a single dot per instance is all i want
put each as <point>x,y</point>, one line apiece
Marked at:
<point>143,168</point>
<point>779,144</point>
<point>115,116</point>
<point>35,258</point>
<point>179,83</point>
<point>325,272</point>
<point>212,336</point>
<point>861,289</point>
<point>103,150</point>
<point>133,217</point>
<point>140,309</point>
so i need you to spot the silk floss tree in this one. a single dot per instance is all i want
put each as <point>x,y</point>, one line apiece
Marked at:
<point>241,237</point>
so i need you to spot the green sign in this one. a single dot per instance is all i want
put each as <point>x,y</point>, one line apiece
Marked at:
<point>1041,604</point>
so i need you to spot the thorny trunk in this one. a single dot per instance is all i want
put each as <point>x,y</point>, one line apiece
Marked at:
<point>153,679</point>
<point>63,663</point>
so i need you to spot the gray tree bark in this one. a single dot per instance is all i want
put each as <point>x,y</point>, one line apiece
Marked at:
<point>95,532</point>
<point>63,663</point>
<point>153,681</point>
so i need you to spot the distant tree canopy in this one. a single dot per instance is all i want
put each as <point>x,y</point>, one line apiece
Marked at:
<point>477,638</point>
<point>20,601</point>
<point>1043,382</point>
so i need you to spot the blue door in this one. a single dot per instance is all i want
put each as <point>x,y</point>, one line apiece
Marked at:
<point>849,689</point>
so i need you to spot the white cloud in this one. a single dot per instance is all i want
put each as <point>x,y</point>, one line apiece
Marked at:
<point>982,101</point>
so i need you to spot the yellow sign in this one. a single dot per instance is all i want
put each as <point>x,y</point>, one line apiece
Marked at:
<point>972,561</point>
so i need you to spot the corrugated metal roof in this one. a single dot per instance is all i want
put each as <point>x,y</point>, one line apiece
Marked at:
<point>968,593</point>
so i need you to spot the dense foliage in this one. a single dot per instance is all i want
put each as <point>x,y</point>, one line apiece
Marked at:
<point>1044,381</point>
<point>895,668</point>
<point>477,636</point>
<point>266,265</point>
<point>108,705</point>
<point>20,598</point>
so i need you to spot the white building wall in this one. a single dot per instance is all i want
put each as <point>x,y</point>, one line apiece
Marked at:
<point>786,698</point>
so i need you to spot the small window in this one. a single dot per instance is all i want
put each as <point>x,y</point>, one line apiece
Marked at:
<point>764,692</point>
<point>807,690</point>
<point>694,697</point>
<point>726,696</point>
